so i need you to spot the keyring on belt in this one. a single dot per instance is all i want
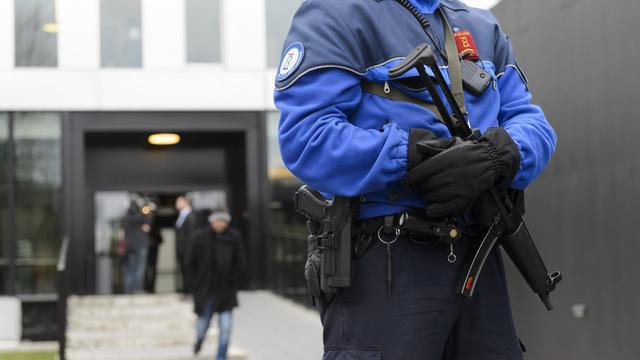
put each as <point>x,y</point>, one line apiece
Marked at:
<point>397,233</point>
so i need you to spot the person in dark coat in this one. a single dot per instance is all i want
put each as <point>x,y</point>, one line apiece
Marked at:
<point>152,258</point>
<point>216,264</point>
<point>136,236</point>
<point>186,225</point>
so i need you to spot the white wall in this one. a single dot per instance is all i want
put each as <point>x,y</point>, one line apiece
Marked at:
<point>244,34</point>
<point>166,82</point>
<point>11,324</point>
<point>163,34</point>
<point>6,34</point>
<point>78,34</point>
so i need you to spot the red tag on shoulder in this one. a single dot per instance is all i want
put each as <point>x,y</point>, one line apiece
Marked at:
<point>466,46</point>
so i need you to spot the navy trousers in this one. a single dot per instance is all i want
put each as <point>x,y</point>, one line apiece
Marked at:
<point>425,319</point>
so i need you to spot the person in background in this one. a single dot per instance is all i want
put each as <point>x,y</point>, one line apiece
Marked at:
<point>186,224</point>
<point>152,258</point>
<point>136,234</point>
<point>216,262</point>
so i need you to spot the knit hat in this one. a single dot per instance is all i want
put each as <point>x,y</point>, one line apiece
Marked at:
<point>220,215</point>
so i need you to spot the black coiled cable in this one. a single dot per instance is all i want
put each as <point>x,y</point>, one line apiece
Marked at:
<point>424,23</point>
<point>416,13</point>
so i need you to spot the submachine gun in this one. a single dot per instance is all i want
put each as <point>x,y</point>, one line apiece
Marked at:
<point>507,227</point>
<point>329,223</point>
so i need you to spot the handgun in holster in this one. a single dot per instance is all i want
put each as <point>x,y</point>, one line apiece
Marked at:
<point>330,226</point>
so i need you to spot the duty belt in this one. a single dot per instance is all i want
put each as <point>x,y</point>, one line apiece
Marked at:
<point>412,224</point>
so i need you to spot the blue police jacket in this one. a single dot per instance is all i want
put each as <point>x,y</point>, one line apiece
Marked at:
<point>343,141</point>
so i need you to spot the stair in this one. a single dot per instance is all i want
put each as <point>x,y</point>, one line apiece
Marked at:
<point>136,327</point>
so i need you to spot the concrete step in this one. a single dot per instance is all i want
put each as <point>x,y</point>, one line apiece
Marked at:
<point>125,300</point>
<point>135,327</point>
<point>123,312</point>
<point>93,324</point>
<point>119,339</point>
<point>168,353</point>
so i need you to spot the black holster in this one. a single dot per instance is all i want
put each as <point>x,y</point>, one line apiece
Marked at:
<point>329,249</point>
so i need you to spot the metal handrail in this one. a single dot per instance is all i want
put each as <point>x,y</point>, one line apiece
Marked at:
<point>61,268</point>
<point>62,258</point>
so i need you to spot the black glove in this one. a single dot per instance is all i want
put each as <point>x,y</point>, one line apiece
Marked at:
<point>455,172</point>
<point>506,153</point>
<point>414,155</point>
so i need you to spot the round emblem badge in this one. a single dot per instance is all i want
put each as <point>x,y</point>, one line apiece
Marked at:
<point>291,60</point>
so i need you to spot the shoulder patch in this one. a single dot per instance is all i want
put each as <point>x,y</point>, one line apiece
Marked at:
<point>291,60</point>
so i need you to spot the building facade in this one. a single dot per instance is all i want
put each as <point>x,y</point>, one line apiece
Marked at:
<point>82,84</point>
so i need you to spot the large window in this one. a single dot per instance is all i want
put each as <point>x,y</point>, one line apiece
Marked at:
<point>203,31</point>
<point>121,33</point>
<point>4,203</point>
<point>279,15</point>
<point>36,33</point>
<point>38,181</point>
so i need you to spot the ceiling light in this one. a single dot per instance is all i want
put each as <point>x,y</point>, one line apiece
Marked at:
<point>482,4</point>
<point>50,27</point>
<point>164,139</point>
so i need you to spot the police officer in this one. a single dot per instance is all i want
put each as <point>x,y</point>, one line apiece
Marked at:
<point>341,136</point>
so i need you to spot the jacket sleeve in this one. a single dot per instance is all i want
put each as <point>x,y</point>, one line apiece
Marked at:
<point>324,149</point>
<point>524,121</point>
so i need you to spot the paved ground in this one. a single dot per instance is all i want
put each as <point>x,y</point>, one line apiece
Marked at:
<point>28,346</point>
<point>268,327</point>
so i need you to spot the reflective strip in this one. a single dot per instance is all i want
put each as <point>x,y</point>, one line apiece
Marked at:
<point>520,73</point>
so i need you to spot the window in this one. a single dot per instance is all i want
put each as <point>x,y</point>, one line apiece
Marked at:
<point>36,33</point>
<point>121,33</point>
<point>38,181</point>
<point>4,202</point>
<point>279,15</point>
<point>203,31</point>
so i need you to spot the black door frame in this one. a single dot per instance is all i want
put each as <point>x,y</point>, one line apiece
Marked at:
<point>77,221</point>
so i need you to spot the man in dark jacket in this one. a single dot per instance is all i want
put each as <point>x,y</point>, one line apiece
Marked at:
<point>216,262</point>
<point>186,225</point>
<point>136,235</point>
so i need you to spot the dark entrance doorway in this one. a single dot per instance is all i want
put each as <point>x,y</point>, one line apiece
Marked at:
<point>109,152</point>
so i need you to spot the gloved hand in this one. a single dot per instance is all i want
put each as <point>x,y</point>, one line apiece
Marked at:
<point>506,152</point>
<point>417,135</point>
<point>454,172</point>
